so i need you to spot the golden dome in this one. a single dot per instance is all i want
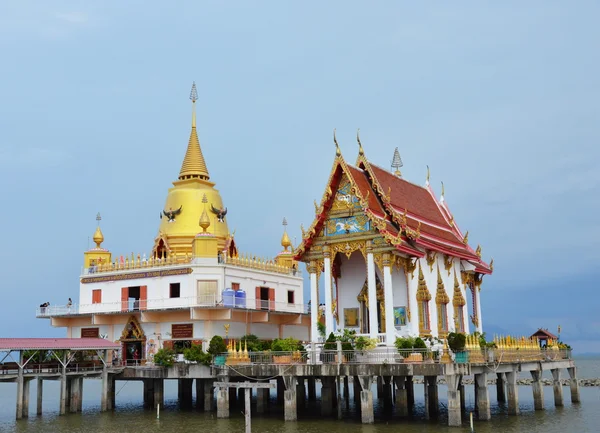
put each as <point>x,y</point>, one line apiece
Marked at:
<point>285,241</point>
<point>198,200</point>
<point>98,237</point>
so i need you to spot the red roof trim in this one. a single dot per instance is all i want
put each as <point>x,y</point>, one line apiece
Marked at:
<point>56,344</point>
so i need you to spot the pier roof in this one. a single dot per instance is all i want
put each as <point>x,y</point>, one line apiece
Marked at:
<point>56,344</point>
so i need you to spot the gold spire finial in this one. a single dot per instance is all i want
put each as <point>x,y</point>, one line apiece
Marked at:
<point>338,152</point>
<point>397,162</point>
<point>443,192</point>
<point>98,236</point>
<point>478,251</point>
<point>285,239</point>
<point>193,166</point>
<point>466,238</point>
<point>360,148</point>
<point>204,219</point>
<point>492,265</point>
<point>427,179</point>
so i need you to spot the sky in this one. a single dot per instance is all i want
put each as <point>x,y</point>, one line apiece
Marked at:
<point>499,99</point>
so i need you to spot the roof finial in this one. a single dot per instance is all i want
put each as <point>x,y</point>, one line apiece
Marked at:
<point>338,152</point>
<point>204,219</point>
<point>194,98</point>
<point>442,198</point>
<point>285,239</point>
<point>98,218</point>
<point>360,148</point>
<point>98,236</point>
<point>397,162</point>
<point>427,179</point>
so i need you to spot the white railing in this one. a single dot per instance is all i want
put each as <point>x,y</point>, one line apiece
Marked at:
<point>201,301</point>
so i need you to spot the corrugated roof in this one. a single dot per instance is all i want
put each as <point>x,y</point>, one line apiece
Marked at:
<point>56,344</point>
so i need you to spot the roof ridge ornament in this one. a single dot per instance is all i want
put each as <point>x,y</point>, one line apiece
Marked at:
<point>427,178</point>
<point>397,162</point>
<point>360,148</point>
<point>443,191</point>
<point>338,152</point>
<point>194,165</point>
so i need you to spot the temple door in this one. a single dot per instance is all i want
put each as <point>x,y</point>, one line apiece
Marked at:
<point>271,299</point>
<point>258,306</point>
<point>143,297</point>
<point>124,298</point>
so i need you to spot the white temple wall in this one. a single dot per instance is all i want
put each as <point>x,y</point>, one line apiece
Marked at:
<point>353,277</point>
<point>400,295</point>
<point>265,331</point>
<point>296,331</point>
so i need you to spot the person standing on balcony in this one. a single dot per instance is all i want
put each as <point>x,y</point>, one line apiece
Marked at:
<point>69,305</point>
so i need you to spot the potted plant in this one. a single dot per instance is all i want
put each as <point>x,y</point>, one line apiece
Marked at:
<point>406,348</point>
<point>457,342</point>
<point>195,354</point>
<point>286,345</point>
<point>164,357</point>
<point>362,345</point>
<point>217,349</point>
<point>329,349</point>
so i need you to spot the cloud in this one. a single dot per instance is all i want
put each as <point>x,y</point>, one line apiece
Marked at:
<point>73,17</point>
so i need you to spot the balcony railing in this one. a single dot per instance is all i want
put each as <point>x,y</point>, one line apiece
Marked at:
<point>202,301</point>
<point>247,262</point>
<point>317,354</point>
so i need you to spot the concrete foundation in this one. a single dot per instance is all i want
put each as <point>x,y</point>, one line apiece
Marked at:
<point>513,393</point>
<point>557,386</point>
<point>483,397</point>
<point>431,397</point>
<point>366,400</point>
<point>454,400</point>
<point>326,396</point>
<point>401,396</point>
<point>262,397</point>
<point>574,384</point>
<point>223,402</point>
<point>159,392</point>
<point>40,394</point>
<point>500,388</point>
<point>312,389</point>
<point>289,408</point>
<point>538,390</point>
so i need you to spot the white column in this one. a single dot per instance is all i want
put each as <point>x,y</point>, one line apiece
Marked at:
<point>314,303</point>
<point>328,296</point>
<point>373,323</point>
<point>390,330</point>
<point>478,309</point>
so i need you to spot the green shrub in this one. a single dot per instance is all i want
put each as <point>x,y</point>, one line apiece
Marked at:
<point>217,346</point>
<point>164,357</point>
<point>365,343</point>
<point>330,343</point>
<point>196,354</point>
<point>457,341</point>
<point>289,344</point>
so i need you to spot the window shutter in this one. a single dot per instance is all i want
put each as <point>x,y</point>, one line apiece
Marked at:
<point>124,298</point>
<point>271,299</point>
<point>143,297</point>
<point>257,294</point>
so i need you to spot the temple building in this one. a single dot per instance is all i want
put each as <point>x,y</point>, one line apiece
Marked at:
<point>393,259</point>
<point>194,283</point>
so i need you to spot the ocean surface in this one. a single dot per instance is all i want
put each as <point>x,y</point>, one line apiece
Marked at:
<point>129,415</point>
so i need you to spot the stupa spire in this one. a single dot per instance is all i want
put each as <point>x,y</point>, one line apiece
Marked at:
<point>193,165</point>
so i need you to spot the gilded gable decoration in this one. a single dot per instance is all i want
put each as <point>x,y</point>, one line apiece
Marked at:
<point>458,299</point>
<point>422,291</point>
<point>363,296</point>
<point>132,330</point>
<point>431,259</point>
<point>442,300</point>
<point>447,263</point>
<point>348,248</point>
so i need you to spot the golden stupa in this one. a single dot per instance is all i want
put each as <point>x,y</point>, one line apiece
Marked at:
<point>184,207</point>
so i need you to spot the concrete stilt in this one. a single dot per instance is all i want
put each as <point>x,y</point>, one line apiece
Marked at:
<point>426,397</point>
<point>500,388</point>
<point>63,392</point>
<point>20,386</point>
<point>280,390</point>
<point>148,393</point>
<point>356,390</point>
<point>26,398</point>
<point>366,400</point>
<point>74,397</point>
<point>312,389</point>
<point>454,407</point>
<point>40,394</point>
<point>199,394</point>
<point>326,396</point>
<point>80,400</point>
<point>232,397</point>
<point>513,393</point>
<point>68,395</point>
<point>401,396</point>
<point>262,395</point>
<point>463,394</point>
<point>557,386</point>
<point>159,392</point>
<point>483,397</point>
<point>380,387</point>
<point>241,396</point>
<point>538,390</point>
<point>290,411</point>
<point>104,394</point>
<point>300,392</point>
<point>574,384</point>
<point>346,389</point>
<point>112,392</point>
<point>209,396</point>
<point>388,402</point>
<point>187,386</point>
<point>223,402</point>
<point>410,392</point>
<point>432,391</point>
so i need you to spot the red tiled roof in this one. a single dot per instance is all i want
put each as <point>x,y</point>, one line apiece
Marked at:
<point>56,343</point>
<point>361,180</point>
<point>406,195</point>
